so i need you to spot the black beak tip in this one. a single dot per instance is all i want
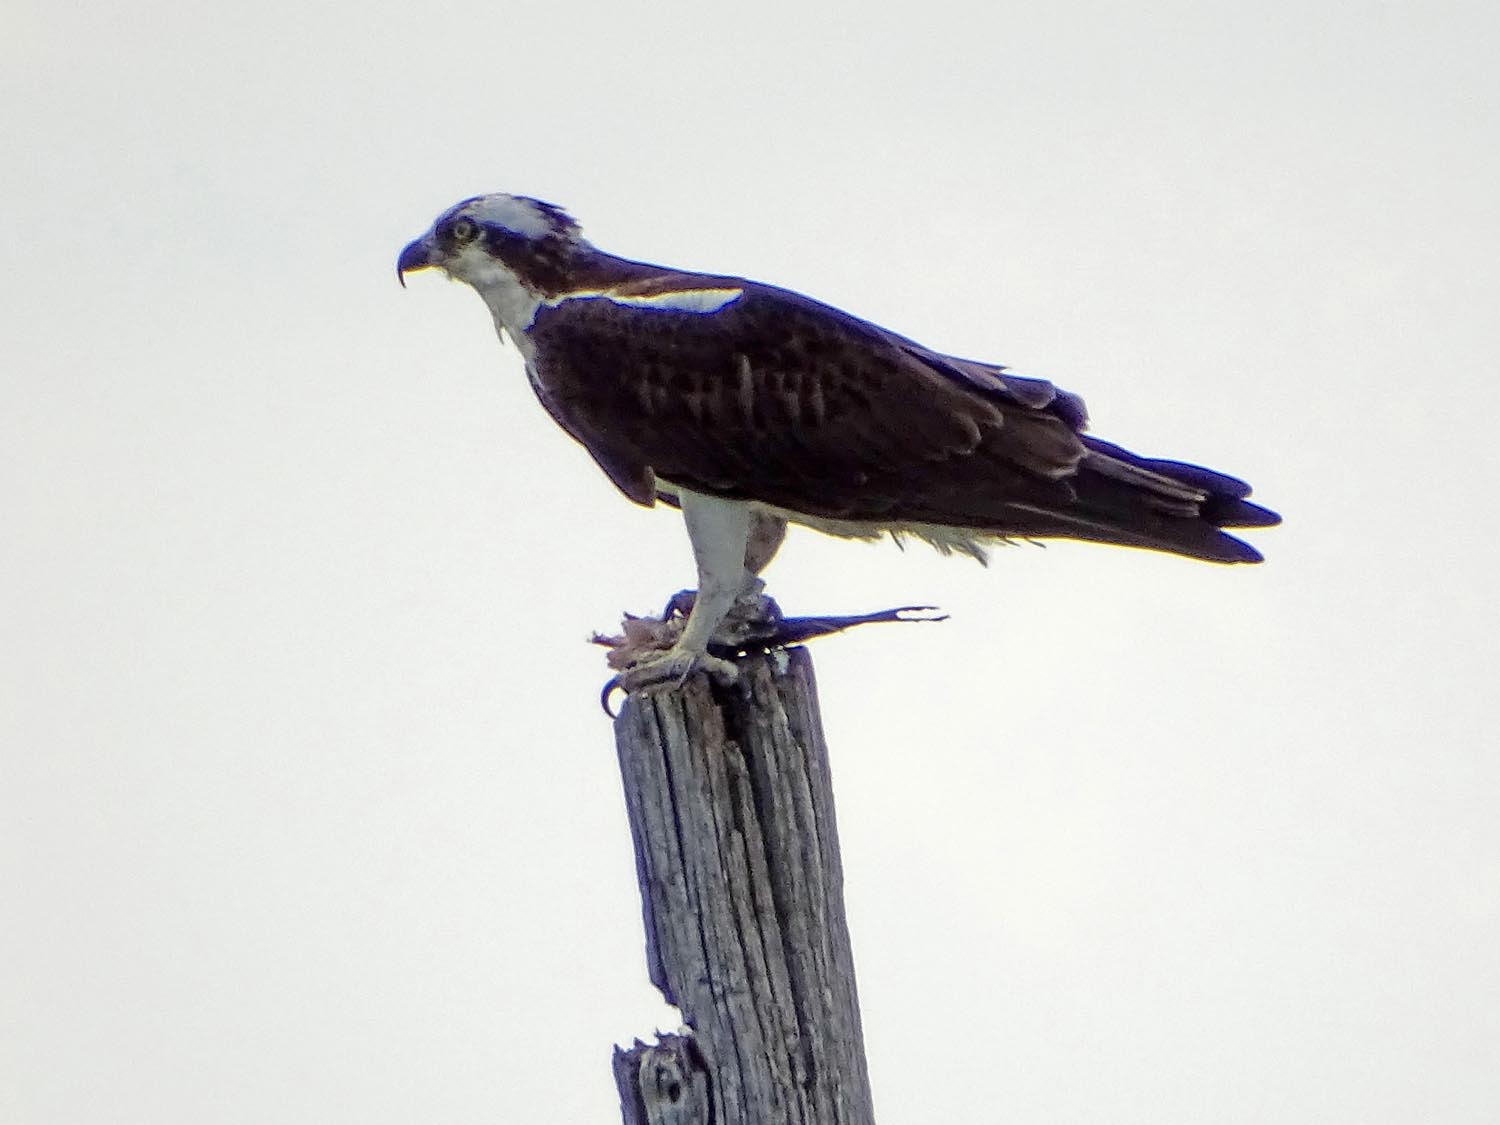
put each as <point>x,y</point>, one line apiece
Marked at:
<point>414,257</point>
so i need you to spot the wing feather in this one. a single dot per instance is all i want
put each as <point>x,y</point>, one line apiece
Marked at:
<point>780,399</point>
<point>777,398</point>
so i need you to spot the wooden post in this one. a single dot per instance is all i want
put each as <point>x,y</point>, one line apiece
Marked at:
<point>731,812</point>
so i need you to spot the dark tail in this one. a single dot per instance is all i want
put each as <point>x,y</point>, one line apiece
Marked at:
<point>1164,505</point>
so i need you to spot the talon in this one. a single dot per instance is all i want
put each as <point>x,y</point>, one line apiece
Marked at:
<point>611,686</point>
<point>676,669</point>
<point>752,617</point>
<point>679,604</point>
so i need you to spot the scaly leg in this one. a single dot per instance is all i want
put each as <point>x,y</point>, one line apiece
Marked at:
<point>765,535</point>
<point>719,531</point>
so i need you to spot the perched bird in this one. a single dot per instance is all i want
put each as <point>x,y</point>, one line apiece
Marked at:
<point>748,406</point>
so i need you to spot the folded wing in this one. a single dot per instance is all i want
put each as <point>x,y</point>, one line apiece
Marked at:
<point>775,398</point>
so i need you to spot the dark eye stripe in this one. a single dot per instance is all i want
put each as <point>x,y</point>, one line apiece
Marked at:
<point>457,232</point>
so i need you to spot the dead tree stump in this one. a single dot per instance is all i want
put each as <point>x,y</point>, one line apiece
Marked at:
<point>731,812</point>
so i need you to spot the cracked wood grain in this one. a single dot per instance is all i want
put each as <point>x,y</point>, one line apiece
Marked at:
<point>731,812</point>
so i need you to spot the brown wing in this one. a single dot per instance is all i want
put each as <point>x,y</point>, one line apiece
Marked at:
<point>777,398</point>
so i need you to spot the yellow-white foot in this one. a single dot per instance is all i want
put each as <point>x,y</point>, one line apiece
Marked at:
<point>751,614</point>
<point>674,667</point>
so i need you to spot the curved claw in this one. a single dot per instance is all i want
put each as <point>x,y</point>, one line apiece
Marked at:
<point>669,669</point>
<point>611,686</point>
<point>679,604</point>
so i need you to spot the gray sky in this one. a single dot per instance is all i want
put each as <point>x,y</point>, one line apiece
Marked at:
<point>308,812</point>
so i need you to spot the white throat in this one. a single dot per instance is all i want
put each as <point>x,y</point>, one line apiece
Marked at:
<point>510,302</point>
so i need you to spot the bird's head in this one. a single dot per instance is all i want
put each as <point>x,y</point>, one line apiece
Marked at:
<point>498,240</point>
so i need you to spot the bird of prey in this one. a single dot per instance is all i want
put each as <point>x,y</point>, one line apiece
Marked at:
<point>748,406</point>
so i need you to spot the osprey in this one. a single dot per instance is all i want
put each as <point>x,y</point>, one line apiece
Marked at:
<point>748,406</point>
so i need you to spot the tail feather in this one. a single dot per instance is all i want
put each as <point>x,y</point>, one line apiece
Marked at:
<point>1226,512</point>
<point>1166,505</point>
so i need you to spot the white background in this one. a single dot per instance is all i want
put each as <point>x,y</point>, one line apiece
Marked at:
<point>309,814</point>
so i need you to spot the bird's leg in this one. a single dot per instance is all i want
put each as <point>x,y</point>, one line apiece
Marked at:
<point>752,611</point>
<point>751,607</point>
<point>719,530</point>
<point>766,534</point>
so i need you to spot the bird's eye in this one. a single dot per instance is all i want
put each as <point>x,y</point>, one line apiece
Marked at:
<point>463,230</point>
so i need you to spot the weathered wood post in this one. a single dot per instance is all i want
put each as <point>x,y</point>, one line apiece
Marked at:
<point>731,812</point>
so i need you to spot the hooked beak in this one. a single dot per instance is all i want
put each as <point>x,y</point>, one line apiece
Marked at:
<point>416,256</point>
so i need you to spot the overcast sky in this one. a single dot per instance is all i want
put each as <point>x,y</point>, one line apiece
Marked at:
<point>307,811</point>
